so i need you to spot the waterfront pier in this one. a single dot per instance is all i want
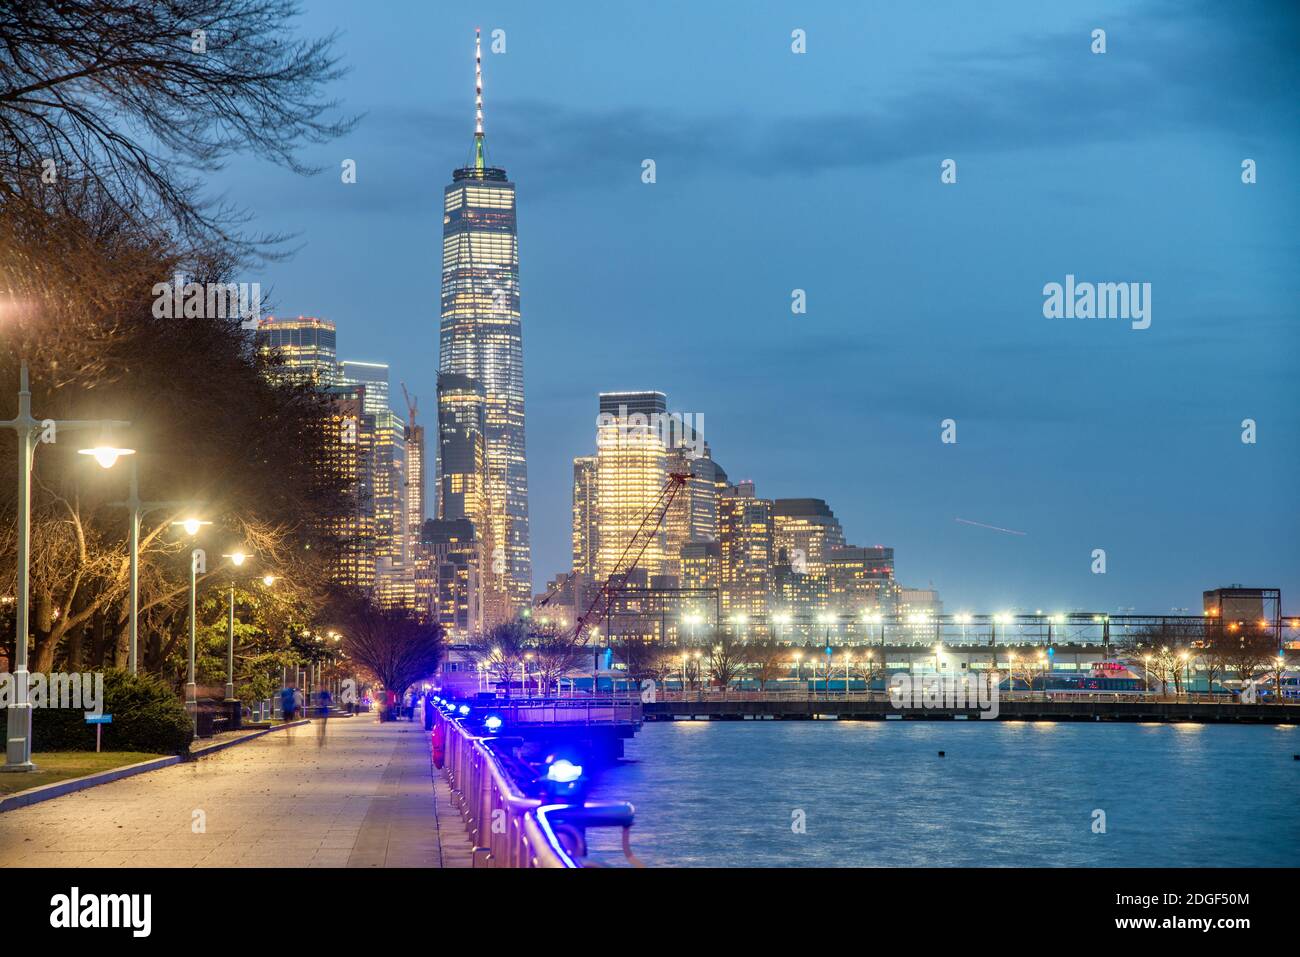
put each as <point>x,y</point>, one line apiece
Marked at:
<point>877,706</point>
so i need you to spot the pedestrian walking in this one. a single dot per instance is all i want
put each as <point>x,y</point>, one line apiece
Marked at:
<point>325,699</point>
<point>288,703</point>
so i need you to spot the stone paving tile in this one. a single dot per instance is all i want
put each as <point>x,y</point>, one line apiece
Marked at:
<point>366,797</point>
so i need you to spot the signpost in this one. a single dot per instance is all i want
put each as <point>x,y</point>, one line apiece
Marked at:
<point>99,720</point>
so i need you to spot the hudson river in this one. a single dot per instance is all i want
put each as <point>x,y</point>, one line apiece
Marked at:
<point>877,794</point>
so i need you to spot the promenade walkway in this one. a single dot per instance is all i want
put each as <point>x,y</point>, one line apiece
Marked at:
<point>362,796</point>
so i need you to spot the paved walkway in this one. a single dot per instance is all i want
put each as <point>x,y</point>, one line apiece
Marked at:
<point>362,796</point>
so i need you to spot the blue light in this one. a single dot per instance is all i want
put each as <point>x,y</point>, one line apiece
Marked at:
<point>563,772</point>
<point>492,722</point>
<point>464,709</point>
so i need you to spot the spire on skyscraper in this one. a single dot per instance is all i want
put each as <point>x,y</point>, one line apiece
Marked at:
<point>480,148</point>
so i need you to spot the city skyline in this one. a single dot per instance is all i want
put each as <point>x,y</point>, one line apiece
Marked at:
<point>1089,445</point>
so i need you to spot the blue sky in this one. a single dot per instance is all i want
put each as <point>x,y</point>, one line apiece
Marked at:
<point>821,171</point>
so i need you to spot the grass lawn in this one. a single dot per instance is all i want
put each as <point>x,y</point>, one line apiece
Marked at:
<point>60,765</point>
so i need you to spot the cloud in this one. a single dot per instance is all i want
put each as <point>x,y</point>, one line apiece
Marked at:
<point>1168,68</point>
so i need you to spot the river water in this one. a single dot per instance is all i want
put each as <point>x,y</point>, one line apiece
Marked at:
<point>876,793</point>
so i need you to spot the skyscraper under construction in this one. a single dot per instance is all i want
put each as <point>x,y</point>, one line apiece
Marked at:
<point>480,339</point>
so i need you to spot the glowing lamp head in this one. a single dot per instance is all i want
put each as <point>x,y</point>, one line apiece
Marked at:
<point>268,580</point>
<point>238,558</point>
<point>563,771</point>
<point>464,710</point>
<point>493,723</point>
<point>106,455</point>
<point>191,525</point>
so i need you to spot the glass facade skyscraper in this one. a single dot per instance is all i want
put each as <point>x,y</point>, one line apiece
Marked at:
<point>631,470</point>
<point>480,338</point>
<point>374,376</point>
<point>305,344</point>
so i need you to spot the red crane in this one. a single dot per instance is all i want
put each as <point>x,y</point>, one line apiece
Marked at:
<point>631,555</point>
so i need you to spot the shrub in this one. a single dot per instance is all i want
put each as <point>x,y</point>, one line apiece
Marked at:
<point>147,716</point>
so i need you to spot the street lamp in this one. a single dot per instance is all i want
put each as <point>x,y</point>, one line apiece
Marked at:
<point>237,558</point>
<point>192,527</point>
<point>136,511</point>
<point>780,619</point>
<point>29,430</point>
<point>876,618</point>
<point>692,620</point>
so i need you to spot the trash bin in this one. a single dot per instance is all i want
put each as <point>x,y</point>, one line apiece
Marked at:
<point>234,714</point>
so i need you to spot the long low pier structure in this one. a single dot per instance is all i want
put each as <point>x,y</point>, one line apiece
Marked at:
<point>878,707</point>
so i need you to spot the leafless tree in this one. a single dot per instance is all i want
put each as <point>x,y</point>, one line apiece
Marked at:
<point>1248,650</point>
<point>500,652</point>
<point>141,98</point>
<point>768,661</point>
<point>392,644</point>
<point>727,660</point>
<point>555,655</point>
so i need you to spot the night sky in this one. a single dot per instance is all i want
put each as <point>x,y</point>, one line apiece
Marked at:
<point>821,171</point>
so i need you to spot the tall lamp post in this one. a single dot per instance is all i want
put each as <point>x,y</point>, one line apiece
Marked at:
<point>237,558</point>
<point>29,430</point>
<point>106,456</point>
<point>192,527</point>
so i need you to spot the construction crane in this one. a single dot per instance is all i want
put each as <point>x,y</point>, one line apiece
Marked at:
<point>652,521</point>
<point>412,404</point>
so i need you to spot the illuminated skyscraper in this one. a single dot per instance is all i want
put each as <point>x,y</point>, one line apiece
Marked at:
<point>389,485</point>
<point>747,553</point>
<point>350,452</point>
<point>862,580</point>
<point>461,482</point>
<point>806,530</point>
<point>414,480</point>
<point>631,471</point>
<point>480,338</point>
<point>372,375</point>
<point>306,345</point>
<point>693,516</point>
<point>586,536</point>
<point>462,491</point>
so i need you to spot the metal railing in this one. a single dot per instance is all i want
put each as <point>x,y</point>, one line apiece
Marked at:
<point>606,709</point>
<point>509,828</point>
<point>820,694</point>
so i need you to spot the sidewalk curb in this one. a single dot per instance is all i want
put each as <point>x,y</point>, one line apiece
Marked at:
<point>47,792</point>
<point>194,755</point>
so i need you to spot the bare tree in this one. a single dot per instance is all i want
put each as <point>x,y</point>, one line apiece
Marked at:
<point>768,661</point>
<point>500,652</point>
<point>555,655</point>
<point>1248,650</point>
<point>1028,668</point>
<point>693,669</point>
<point>392,644</point>
<point>1213,659</point>
<point>727,660</point>
<point>139,98</point>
